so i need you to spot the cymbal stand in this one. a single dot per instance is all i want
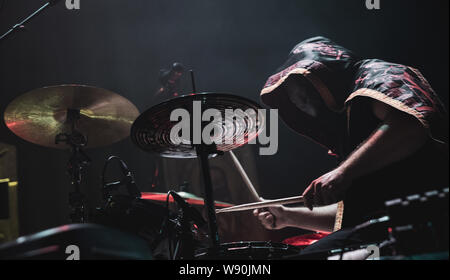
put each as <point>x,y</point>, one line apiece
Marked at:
<point>203,152</point>
<point>77,162</point>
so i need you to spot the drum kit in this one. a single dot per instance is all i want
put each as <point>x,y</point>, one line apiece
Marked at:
<point>78,117</point>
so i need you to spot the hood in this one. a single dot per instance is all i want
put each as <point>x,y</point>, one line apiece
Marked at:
<point>318,74</point>
<point>321,80</point>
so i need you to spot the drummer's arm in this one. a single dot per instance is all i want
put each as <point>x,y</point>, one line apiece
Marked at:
<point>398,136</point>
<point>320,219</point>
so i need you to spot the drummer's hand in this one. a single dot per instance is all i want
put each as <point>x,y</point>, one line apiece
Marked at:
<point>272,217</point>
<point>327,189</point>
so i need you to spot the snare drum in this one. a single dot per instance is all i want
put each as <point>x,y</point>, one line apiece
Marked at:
<point>254,250</point>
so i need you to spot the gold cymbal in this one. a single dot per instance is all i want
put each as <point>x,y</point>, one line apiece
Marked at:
<point>39,115</point>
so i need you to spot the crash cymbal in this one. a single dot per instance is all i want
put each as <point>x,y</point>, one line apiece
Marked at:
<point>151,130</point>
<point>190,198</point>
<point>41,114</point>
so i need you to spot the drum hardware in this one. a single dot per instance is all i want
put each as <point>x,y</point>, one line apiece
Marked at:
<point>51,112</point>
<point>77,162</point>
<point>175,226</point>
<point>151,132</point>
<point>182,230</point>
<point>127,181</point>
<point>203,152</point>
<point>71,114</point>
<point>128,211</point>
<point>187,222</point>
<point>189,212</point>
<point>134,214</point>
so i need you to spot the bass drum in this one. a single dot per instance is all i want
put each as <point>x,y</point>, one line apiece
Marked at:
<point>255,250</point>
<point>137,216</point>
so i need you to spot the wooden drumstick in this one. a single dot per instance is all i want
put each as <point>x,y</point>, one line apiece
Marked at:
<point>258,205</point>
<point>245,177</point>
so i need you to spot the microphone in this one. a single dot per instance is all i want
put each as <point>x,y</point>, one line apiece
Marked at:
<point>188,209</point>
<point>128,181</point>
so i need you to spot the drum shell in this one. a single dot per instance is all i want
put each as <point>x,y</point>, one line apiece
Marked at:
<point>254,250</point>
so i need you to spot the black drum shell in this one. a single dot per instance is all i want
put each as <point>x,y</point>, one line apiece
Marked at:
<point>252,250</point>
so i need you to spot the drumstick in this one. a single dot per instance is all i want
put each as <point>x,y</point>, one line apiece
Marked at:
<point>258,205</point>
<point>245,177</point>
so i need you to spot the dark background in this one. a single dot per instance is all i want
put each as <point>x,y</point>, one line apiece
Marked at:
<point>233,47</point>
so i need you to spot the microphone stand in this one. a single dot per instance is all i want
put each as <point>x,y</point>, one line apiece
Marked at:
<point>23,22</point>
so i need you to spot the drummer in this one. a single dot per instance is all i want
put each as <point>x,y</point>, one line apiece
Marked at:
<point>382,121</point>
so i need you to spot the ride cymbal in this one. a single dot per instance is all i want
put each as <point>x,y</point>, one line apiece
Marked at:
<point>39,115</point>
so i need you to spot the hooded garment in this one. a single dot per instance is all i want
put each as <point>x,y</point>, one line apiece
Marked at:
<point>324,70</point>
<point>328,101</point>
